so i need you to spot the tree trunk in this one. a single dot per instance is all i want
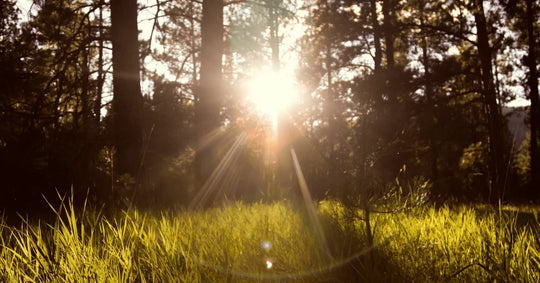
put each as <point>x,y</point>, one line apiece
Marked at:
<point>376,35</point>
<point>390,78</point>
<point>535,102</point>
<point>209,92</point>
<point>85,91</point>
<point>330,95</point>
<point>495,123</point>
<point>101,75</point>
<point>428,92</point>
<point>127,100</point>
<point>193,44</point>
<point>388,25</point>
<point>283,174</point>
<point>273,23</point>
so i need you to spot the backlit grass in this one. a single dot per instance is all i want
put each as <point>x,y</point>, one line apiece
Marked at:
<point>256,242</point>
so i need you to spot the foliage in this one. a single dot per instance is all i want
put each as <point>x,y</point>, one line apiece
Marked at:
<point>48,131</point>
<point>473,165</point>
<point>255,29</point>
<point>383,83</point>
<point>522,161</point>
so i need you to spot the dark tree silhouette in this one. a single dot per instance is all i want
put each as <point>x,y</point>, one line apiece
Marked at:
<point>535,100</point>
<point>209,93</point>
<point>384,83</point>
<point>495,121</point>
<point>127,101</point>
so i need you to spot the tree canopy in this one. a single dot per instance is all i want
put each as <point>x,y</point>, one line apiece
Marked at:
<point>154,103</point>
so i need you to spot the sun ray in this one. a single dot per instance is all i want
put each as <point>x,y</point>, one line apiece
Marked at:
<point>211,183</point>
<point>312,212</point>
<point>209,138</point>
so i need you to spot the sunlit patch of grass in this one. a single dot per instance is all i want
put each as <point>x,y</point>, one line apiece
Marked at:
<point>212,245</point>
<point>460,244</point>
<point>255,242</point>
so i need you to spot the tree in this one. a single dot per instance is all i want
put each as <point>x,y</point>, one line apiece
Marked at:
<point>495,121</point>
<point>533,96</point>
<point>256,26</point>
<point>47,125</point>
<point>127,101</point>
<point>323,57</point>
<point>179,39</point>
<point>209,93</point>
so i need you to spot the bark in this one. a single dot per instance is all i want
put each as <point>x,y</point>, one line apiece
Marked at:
<point>192,42</point>
<point>428,92</point>
<point>390,79</point>
<point>388,26</point>
<point>376,35</point>
<point>535,102</point>
<point>85,91</point>
<point>333,115</point>
<point>495,123</point>
<point>100,76</point>
<point>209,93</point>
<point>127,99</point>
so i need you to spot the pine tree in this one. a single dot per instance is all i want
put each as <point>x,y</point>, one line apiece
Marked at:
<point>127,101</point>
<point>209,93</point>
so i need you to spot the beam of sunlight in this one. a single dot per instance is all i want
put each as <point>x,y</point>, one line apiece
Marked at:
<point>209,138</point>
<point>230,181</point>
<point>312,212</point>
<point>211,184</point>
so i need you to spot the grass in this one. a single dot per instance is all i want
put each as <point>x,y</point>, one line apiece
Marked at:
<point>237,243</point>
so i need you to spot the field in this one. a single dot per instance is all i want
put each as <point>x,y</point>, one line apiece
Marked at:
<point>276,241</point>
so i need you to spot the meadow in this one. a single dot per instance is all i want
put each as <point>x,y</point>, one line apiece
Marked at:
<point>278,242</point>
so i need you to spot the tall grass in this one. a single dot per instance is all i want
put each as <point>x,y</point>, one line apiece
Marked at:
<point>461,244</point>
<point>257,242</point>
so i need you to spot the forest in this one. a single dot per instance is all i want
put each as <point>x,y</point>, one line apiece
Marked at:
<point>269,140</point>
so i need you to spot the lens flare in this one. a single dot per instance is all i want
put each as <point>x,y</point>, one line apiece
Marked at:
<point>268,264</point>
<point>266,245</point>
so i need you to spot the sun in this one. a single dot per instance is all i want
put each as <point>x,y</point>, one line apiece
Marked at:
<point>271,93</point>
